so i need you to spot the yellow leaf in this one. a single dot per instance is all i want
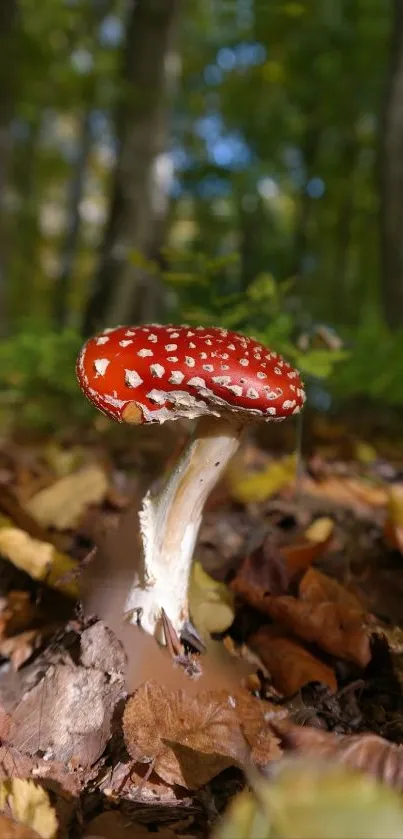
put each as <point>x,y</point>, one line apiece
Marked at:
<point>29,804</point>
<point>258,486</point>
<point>39,559</point>
<point>365,453</point>
<point>62,504</point>
<point>320,530</point>
<point>395,504</point>
<point>314,800</point>
<point>211,603</point>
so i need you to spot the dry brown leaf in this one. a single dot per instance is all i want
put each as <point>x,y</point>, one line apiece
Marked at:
<point>336,629</point>
<point>366,752</point>
<point>20,647</point>
<point>315,541</point>
<point>67,715</point>
<point>62,504</point>
<point>9,829</point>
<point>325,613</point>
<point>357,494</point>
<point>188,739</point>
<point>290,665</point>
<point>40,560</point>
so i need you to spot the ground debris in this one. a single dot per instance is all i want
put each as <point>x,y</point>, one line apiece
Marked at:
<point>190,740</point>
<point>290,665</point>
<point>367,752</point>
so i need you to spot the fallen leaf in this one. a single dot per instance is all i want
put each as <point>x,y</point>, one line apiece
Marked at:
<point>9,829</point>
<point>189,740</point>
<point>67,715</point>
<point>314,800</point>
<point>394,522</point>
<point>40,560</point>
<point>303,553</point>
<point>63,504</point>
<point>247,488</point>
<point>367,752</point>
<point>20,647</point>
<point>29,804</point>
<point>211,603</point>
<point>327,614</point>
<point>290,665</point>
<point>359,495</point>
<point>324,613</point>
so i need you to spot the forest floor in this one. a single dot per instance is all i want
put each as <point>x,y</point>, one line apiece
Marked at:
<point>296,591</point>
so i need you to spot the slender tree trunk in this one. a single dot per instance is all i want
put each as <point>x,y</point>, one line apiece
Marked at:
<point>8,20</point>
<point>70,245</point>
<point>142,125</point>
<point>391,172</point>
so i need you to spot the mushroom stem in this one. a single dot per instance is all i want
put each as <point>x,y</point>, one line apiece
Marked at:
<point>170,520</point>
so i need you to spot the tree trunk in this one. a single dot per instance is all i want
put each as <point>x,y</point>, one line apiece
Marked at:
<point>8,19</point>
<point>70,245</point>
<point>137,203</point>
<point>391,172</point>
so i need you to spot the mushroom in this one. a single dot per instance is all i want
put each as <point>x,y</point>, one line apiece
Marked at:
<point>154,374</point>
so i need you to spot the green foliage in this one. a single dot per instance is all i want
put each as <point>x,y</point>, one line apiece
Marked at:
<point>37,380</point>
<point>262,310</point>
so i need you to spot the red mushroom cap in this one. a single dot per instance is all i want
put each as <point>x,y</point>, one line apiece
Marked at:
<point>148,374</point>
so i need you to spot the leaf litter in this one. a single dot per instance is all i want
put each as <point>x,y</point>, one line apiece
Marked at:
<point>99,715</point>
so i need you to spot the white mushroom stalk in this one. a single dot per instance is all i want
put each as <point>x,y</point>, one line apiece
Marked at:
<point>170,520</point>
<point>156,374</point>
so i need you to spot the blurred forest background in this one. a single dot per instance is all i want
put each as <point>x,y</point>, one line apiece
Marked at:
<point>216,161</point>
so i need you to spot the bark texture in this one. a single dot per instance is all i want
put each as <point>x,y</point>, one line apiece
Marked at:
<point>391,171</point>
<point>137,206</point>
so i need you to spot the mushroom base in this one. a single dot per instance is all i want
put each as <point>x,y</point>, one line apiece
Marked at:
<point>170,521</point>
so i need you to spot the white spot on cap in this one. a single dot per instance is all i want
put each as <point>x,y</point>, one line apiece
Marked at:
<point>252,393</point>
<point>157,370</point>
<point>297,409</point>
<point>176,377</point>
<point>103,339</point>
<point>189,361</point>
<point>174,334</point>
<point>272,411</point>
<point>225,355</point>
<point>172,358</point>
<point>231,346</point>
<point>130,332</point>
<point>222,380</point>
<point>293,374</point>
<point>208,342</point>
<point>203,355</point>
<point>171,347</point>
<point>153,338</point>
<point>277,371</point>
<point>244,362</point>
<point>192,346</point>
<point>273,394</point>
<point>196,381</point>
<point>289,403</point>
<point>100,365</point>
<point>257,355</point>
<point>125,343</point>
<point>208,367</point>
<point>261,375</point>
<point>157,396</point>
<point>132,378</point>
<point>236,389</point>
<point>224,367</point>
<point>145,353</point>
<point>189,334</point>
